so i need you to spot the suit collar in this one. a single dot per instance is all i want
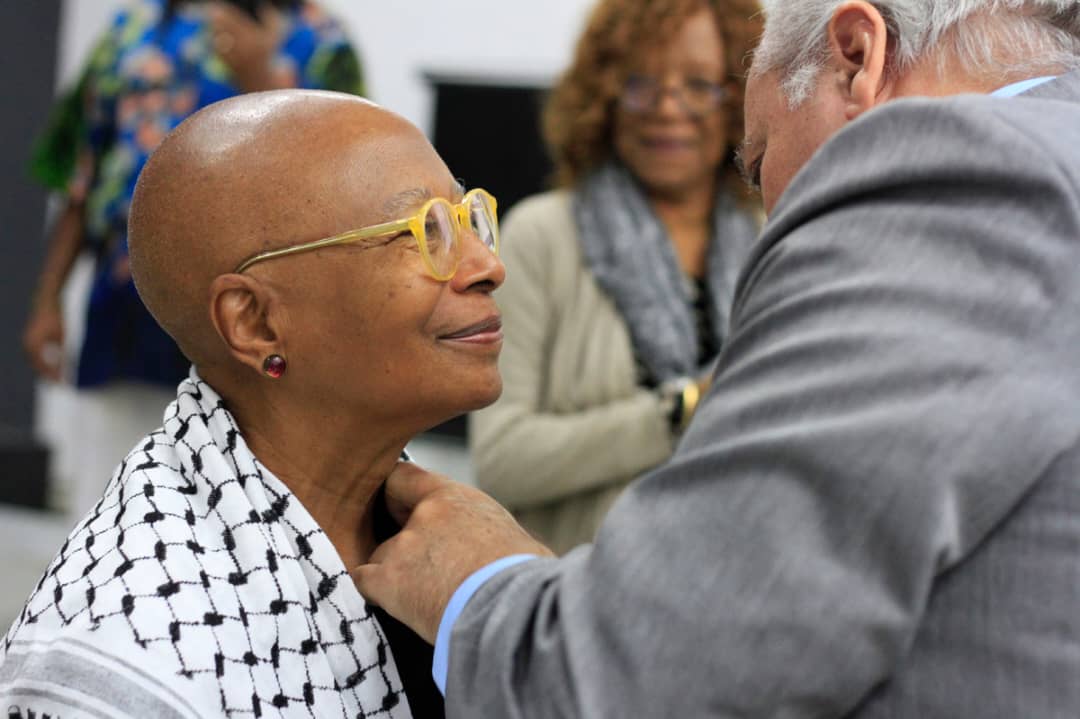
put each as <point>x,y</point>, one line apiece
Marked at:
<point>1065,87</point>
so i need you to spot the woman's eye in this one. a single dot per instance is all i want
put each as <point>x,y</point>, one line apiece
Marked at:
<point>700,86</point>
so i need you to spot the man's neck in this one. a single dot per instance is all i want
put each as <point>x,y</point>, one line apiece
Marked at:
<point>929,84</point>
<point>927,80</point>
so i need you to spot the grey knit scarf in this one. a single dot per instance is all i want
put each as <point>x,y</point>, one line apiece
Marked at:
<point>630,254</point>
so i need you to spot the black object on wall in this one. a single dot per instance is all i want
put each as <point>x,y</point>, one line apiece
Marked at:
<point>487,130</point>
<point>28,55</point>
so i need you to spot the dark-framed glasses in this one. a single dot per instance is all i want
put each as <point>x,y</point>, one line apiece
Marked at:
<point>436,227</point>
<point>696,95</point>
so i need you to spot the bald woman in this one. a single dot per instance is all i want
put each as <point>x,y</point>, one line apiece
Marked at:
<point>332,286</point>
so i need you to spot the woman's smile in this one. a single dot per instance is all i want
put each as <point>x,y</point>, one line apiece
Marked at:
<point>485,332</point>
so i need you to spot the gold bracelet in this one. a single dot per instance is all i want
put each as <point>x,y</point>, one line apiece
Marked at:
<point>690,395</point>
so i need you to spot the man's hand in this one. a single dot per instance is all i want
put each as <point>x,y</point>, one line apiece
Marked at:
<point>448,531</point>
<point>247,45</point>
<point>43,340</point>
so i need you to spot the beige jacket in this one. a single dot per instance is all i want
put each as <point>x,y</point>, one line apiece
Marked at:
<point>573,427</point>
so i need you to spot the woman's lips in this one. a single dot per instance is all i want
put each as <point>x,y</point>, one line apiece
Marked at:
<point>489,330</point>
<point>667,144</point>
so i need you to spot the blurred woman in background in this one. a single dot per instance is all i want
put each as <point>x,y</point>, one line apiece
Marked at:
<point>621,279</point>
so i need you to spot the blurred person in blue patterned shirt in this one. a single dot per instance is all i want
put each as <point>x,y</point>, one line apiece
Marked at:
<point>159,61</point>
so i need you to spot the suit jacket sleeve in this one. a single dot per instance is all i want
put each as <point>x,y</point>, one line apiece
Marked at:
<point>892,388</point>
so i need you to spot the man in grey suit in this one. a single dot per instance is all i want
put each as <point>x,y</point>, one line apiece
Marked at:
<point>876,512</point>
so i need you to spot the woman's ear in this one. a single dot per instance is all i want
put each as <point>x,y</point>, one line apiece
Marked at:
<point>859,47</point>
<point>245,314</point>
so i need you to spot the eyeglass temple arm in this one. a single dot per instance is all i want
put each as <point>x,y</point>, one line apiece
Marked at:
<point>367,233</point>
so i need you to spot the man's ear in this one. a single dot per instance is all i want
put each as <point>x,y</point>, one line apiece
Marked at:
<point>245,314</point>
<point>859,45</point>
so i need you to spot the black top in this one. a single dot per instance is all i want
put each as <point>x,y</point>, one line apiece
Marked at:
<point>708,346</point>
<point>708,342</point>
<point>413,655</point>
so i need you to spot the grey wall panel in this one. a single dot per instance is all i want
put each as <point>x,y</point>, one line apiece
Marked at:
<point>28,56</point>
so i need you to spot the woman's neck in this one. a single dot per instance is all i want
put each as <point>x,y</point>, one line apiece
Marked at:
<point>687,217</point>
<point>335,474</point>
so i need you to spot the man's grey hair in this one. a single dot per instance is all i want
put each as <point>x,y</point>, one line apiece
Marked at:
<point>1006,37</point>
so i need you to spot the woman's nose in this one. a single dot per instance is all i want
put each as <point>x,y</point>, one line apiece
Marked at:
<point>480,268</point>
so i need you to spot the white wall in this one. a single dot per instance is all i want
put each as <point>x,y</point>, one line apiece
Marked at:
<point>401,39</point>
<point>81,22</point>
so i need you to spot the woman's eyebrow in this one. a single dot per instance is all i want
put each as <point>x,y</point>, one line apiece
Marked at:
<point>406,200</point>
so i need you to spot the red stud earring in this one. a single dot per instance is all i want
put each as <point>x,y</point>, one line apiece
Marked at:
<point>274,366</point>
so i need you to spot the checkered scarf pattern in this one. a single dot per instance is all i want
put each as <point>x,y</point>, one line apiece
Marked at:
<point>200,586</point>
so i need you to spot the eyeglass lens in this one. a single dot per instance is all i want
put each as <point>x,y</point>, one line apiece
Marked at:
<point>697,95</point>
<point>482,219</point>
<point>442,232</point>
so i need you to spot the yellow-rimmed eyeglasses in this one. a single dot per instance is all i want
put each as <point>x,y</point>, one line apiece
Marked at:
<point>436,227</point>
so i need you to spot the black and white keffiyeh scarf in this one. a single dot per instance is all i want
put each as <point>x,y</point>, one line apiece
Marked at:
<point>631,256</point>
<point>198,586</point>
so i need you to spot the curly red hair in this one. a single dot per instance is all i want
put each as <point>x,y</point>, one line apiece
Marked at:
<point>580,111</point>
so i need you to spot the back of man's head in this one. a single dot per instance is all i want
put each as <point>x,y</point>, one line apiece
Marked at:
<point>1004,38</point>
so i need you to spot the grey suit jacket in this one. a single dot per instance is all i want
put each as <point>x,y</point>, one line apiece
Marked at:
<point>876,512</point>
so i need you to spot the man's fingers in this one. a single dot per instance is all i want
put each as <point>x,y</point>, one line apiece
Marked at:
<point>387,549</point>
<point>406,486</point>
<point>375,579</point>
<point>381,586</point>
<point>366,578</point>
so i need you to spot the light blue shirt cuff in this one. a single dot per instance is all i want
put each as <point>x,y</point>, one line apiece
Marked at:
<point>440,665</point>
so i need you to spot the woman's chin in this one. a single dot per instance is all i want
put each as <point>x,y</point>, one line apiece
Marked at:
<point>483,394</point>
<point>494,391</point>
<point>469,399</point>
